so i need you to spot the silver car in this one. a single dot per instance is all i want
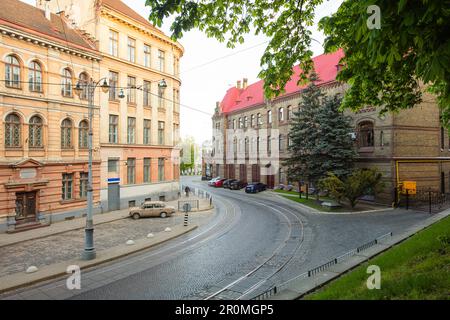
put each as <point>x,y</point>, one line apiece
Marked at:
<point>151,209</point>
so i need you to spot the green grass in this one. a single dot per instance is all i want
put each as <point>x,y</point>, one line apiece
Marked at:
<point>311,202</point>
<point>418,268</point>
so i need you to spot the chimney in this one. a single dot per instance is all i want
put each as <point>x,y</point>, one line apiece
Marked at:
<point>47,10</point>
<point>244,83</point>
<point>238,84</point>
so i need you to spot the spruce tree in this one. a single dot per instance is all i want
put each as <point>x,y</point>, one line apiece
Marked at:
<point>320,138</point>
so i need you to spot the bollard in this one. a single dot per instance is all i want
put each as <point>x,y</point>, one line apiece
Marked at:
<point>429,202</point>
<point>407,199</point>
<point>186,219</point>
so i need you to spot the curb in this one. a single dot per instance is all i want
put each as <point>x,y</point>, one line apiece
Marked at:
<point>18,280</point>
<point>312,210</point>
<point>59,232</point>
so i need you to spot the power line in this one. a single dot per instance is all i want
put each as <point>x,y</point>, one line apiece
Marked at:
<point>125,88</point>
<point>224,57</point>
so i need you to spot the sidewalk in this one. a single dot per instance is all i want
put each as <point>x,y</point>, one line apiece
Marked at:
<point>52,249</point>
<point>297,288</point>
<point>79,223</point>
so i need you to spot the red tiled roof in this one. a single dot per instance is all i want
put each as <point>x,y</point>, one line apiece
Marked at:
<point>121,7</point>
<point>236,99</point>
<point>29,18</point>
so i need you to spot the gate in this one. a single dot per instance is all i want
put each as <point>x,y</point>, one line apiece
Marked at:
<point>427,200</point>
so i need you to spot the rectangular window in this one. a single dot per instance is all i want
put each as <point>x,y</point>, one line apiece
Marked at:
<point>161,129</point>
<point>147,56</point>
<point>161,169</point>
<point>113,165</point>
<point>113,43</point>
<point>161,98</point>
<point>147,131</point>
<point>131,170</point>
<point>147,93</point>
<point>161,61</point>
<point>147,170</point>
<point>131,97</point>
<point>131,50</point>
<point>84,179</point>
<point>131,132</point>
<point>67,186</point>
<point>113,128</point>
<point>113,82</point>
<point>269,145</point>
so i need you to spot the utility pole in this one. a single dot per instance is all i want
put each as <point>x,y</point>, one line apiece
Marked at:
<point>89,249</point>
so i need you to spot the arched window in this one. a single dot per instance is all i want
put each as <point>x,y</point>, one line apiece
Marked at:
<point>35,77</point>
<point>234,124</point>
<point>35,132</point>
<point>12,131</point>
<point>252,120</point>
<point>83,134</point>
<point>12,72</point>
<point>366,134</point>
<point>246,147</point>
<point>245,122</point>
<point>66,81</point>
<point>66,134</point>
<point>83,81</point>
<point>259,119</point>
<point>281,114</point>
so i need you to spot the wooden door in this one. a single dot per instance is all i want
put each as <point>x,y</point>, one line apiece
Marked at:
<point>25,207</point>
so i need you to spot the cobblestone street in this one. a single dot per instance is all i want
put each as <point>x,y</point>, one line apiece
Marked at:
<point>68,245</point>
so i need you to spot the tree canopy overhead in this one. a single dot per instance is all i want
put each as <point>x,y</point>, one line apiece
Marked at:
<point>385,66</point>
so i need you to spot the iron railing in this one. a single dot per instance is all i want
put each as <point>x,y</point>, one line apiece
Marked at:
<point>321,268</point>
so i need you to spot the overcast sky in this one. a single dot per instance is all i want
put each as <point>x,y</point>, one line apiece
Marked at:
<point>203,86</point>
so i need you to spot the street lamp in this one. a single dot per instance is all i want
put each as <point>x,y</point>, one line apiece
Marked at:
<point>90,86</point>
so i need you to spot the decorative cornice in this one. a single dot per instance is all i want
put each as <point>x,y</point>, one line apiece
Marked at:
<point>136,25</point>
<point>44,42</point>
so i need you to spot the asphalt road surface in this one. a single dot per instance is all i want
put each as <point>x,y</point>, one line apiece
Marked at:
<point>252,242</point>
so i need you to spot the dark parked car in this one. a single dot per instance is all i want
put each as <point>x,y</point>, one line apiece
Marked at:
<point>237,185</point>
<point>227,183</point>
<point>255,187</point>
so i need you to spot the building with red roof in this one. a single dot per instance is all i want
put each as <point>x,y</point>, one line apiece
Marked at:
<point>406,146</point>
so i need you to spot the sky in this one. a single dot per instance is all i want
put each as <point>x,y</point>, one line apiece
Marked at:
<point>208,68</point>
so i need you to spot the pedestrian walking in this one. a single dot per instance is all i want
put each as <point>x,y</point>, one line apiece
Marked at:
<point>187,190</point>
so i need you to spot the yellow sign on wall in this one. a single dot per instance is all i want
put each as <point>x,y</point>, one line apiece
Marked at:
<point>411,186</point>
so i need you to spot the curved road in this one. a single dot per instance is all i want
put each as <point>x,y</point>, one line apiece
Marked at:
<point>251,243</point>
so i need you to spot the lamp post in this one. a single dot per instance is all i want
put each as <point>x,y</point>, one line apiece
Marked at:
<point>90,86</point>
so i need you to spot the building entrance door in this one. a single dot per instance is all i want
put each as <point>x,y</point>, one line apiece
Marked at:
<point>271,181</point>
<point>25,207</point>
<point>113,196</point>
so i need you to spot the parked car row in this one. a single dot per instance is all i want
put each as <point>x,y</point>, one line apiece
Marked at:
<point>235,184</point>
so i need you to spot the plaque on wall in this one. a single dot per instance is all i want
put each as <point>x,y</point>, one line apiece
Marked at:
<point>28,173</point>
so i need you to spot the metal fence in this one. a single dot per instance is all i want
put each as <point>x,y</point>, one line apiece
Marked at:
<point>323,267</point>
<point>195,191</point>
<point>195,204</point>
<point>428,200</point>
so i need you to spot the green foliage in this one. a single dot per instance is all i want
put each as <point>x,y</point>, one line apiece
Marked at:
<point>357,184</point>
<point>416,269</point>
<point>320,137</point>
<point>285,22</point>
<point>385,68</point>
<point>389,67</point>
<point>334,186</point>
